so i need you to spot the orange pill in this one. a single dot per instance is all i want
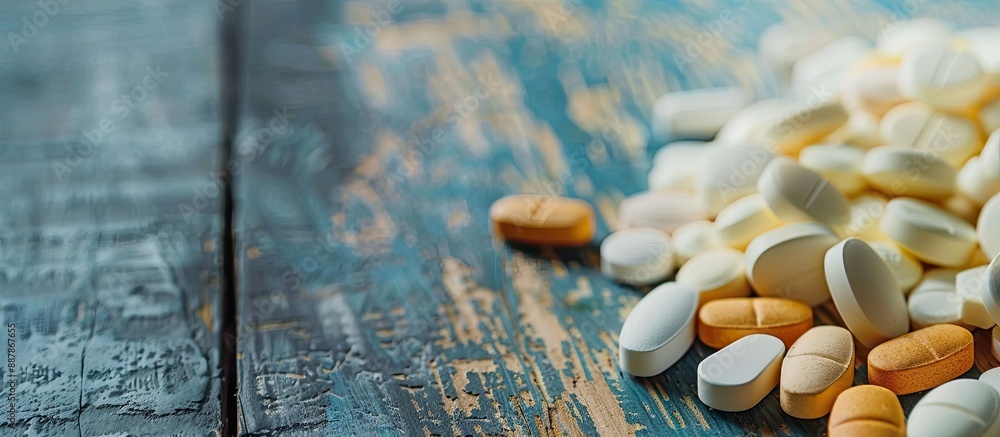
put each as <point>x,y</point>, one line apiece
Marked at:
<point>921,359</point>
<point>816,369</point>
<point>723,321</point>
<point>867,410</point>
<point>543,220</point>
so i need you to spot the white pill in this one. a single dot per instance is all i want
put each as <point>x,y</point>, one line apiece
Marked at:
<point>865,292</point>
<point>658,330</point>
<point>974,183</point>
<point>745,219</point>
<point>821,72</point>
<point>992,376</point>
<point>739,376</point>
<point>839,164</point>
<point>803,123</point>
<point>862,130</point>
<point>989,116</point>
<point>665,210</point>
<point>950,137</point>
<point>716,274</point>
<point>901,171</point>
<point>797,194</point>
<point>990,293</point>
<point>934,300</point>
<point>872,87</point>
<point>942,76</point>
<point>637,256</point>
<point>969,284</point>
<point>730,173</point>
<point>691,239</point>
<point>988,227</point>
<point>931,234</point>
<point>962,208</point>
<point>982,42</point>
<point>752,120</point>
<point>783,44</point>
<point>675,166</point>
<point>959,408</point>
<point>990,156</point>
<point>695,114</point>
<point>904,266</point>
<point>995,343</point>
<point>788,262</point>
<point>866,211</point>
<point>897,40</point>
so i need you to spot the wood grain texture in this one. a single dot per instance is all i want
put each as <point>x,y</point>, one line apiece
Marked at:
<point>372,298</point>
<point>109,285</point>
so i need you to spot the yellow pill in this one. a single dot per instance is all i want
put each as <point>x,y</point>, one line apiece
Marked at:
<point>817,368</point>
<point>543,220</point>
<point>921,359</point>
<point>723,321</point>
<point>867,410</point>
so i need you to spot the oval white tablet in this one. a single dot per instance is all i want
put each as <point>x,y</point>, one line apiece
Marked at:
<point>990,294</point>
<point>821,71</point>
<point>801,124</point>
<point>969,285</point>
<point>988,227</point>
<point>664,210</point>
<point>797,194</point>
<point>865,292</point>
<point>740,375</point>
<point>752,120</point>
<point>931,234</point>
<point>934,300</point>
<point>691,239</point>
<point>637,256</point>
<point>730,173</point>
<point>839,164</point>
<point>695,114</point>
<point>974,183</point>
<point>959,408</point>
<point>744,220</point>
<point>658,330</point>
<point>788,262</point>
<point>902,171</point>
<point>951,138</point>
<point>942,76</point>
<point>897,40</point>
<point>904,266</point>
<point>675,166</point>
<point>716,274</point>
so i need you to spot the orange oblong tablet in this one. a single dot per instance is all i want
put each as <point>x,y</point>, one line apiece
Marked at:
<point>922,359</point>
<point>816,369</point>
<point>867,410</point>
<point>723,321</point>
<point>543,220</point>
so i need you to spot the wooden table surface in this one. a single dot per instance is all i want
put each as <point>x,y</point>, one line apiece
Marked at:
<point>372,138</point>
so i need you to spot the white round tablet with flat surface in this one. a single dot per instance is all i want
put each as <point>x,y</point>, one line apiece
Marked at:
<point>931,234</point>
<point>902,171</point>
<point>959,408</point>
<point>637,256</point>
<point>788,262</point>
<point>691,239</point>
<point>658,330</point>
<point>934,300</point>
<point>865,292</point>
<point>716,274</point>
<point>951,138</point>
<point>739,376</point>
<point>797,194</point>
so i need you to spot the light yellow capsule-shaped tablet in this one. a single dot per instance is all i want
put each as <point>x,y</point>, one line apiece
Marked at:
<point>921,359</point>
<point>817,368</point>
<point>867,410</point>
<point>546,220</point>
<point>723,321</point>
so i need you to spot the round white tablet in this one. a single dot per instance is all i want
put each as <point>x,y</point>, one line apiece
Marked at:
<point>988,227</point>
<point>969,284</point>
<point>658,330</point>
<point>931,234</point>
<point>990,156</point>
<point>904,266</point>
<point>974,184</point>
<point>897,40</point>
<point>797,194</point>
<point>716,274</point>
<point>942,76</point>
<point>991,292</point>
<point>934,300</point>
<point>745,219</point>
<point>730,173</point>
<point>788,262</point>
<point>949,137</point>
<point>907,172</point>
<point>675,166</point>
<point>664,210</point>
<point>839,164</point>
<point>693,238</point>
<point>637,256</point>
<point>866,211</point>
<point>865,292</point>
<point>958,408</point>
<point>740,375</point>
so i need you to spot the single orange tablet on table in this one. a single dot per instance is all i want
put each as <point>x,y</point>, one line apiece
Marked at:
<point>921,359</point>
<point>723,321</point>
<point>867,410</point>
<point>543,220</point>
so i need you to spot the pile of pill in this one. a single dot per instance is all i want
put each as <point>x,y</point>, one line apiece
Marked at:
<point>874,183</point>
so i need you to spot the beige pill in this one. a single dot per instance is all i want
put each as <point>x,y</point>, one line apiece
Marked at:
<point>664,210</point>
<point>723,321</point>
<point>546,220</point>
<point>921,359</point>
<point>816,369</point>
<point>867,410</point>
